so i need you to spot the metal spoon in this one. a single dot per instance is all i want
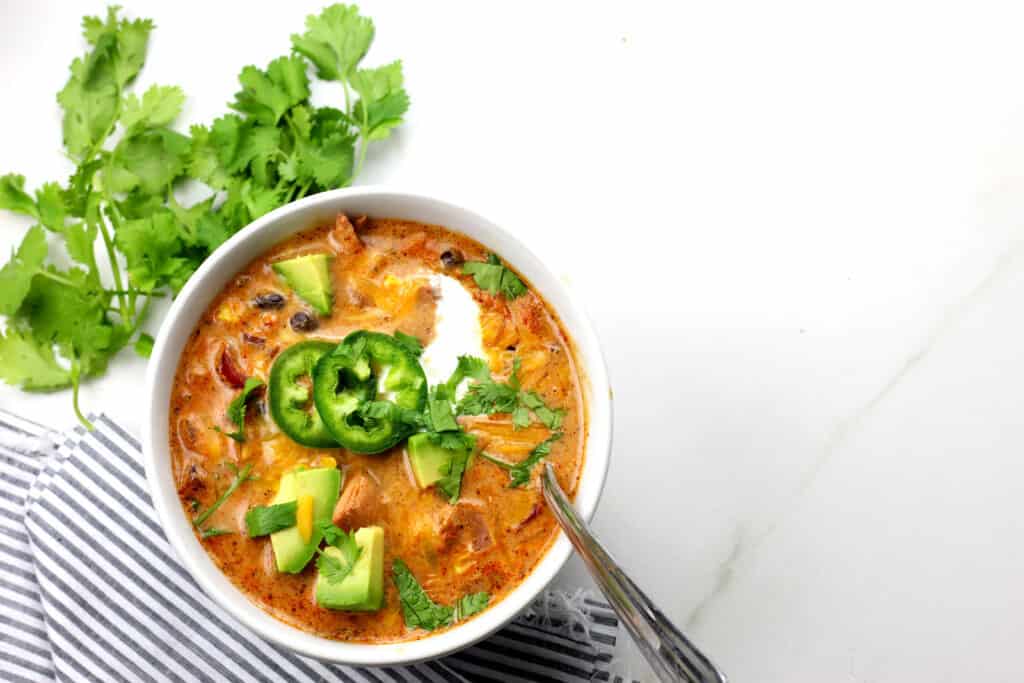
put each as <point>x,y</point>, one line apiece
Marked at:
<point>670,653</point>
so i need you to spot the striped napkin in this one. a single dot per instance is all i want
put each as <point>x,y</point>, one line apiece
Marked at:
<point>90,589</point>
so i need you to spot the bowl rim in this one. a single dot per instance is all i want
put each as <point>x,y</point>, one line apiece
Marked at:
<point>177,326</point>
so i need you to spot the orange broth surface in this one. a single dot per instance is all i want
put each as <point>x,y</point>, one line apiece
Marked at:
<point>490,540</point>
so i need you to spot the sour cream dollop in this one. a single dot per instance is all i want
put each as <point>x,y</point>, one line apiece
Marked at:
<point>456,330</point>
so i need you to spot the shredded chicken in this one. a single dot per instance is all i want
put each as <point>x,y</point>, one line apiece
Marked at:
<point>360,503</point>
<point>344,237</point>
<point>464,528</point>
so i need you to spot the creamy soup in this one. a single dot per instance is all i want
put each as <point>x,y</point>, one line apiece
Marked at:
<point>443,498</point>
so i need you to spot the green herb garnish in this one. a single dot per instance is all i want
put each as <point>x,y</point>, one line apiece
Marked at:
<point>519,473</point>
<point>451,483</point>
<point>486,397</point>
<point>241,476</point>
<point>144,345</point>
<point>335,566</point>
<point>263,520</point>
<point>209,533</point>
<point>468,605</point>
<point>493,277</point>
<point>276,148</point>
<point>236,409</point>
<point>422,612</point>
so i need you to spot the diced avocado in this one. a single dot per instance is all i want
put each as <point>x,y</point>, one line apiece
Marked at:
<point>363,589</point>
<point>429,461</point>
<point>310,277</point>
<point>291,552</point>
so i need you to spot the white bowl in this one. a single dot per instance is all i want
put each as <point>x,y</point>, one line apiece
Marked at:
<point>249,244</point>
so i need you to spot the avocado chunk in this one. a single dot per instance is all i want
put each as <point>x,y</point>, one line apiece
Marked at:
<point>429,461</point>
<point>291,552</point>
<point>363,589</point>
<point>310,277</point>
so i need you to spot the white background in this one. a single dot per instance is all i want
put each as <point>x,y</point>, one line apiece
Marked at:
<point>797,227</point>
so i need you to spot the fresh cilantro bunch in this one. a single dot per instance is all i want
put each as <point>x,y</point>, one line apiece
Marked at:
<point>117,219</point>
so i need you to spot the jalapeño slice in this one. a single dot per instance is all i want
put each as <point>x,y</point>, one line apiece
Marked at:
<point>291,389</point>
<point>369,391</point>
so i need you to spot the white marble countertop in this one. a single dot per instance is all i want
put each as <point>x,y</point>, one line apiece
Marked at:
<point>798,230</point>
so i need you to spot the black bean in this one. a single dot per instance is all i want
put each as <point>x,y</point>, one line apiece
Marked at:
<point>451,258</point>
<point>303,322</point>
<point>269,301</point>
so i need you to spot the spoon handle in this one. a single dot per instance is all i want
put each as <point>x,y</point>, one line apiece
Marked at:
<point>670,653</point>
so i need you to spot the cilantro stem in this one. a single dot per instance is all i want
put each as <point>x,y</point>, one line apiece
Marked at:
<point>115,269</point>
<point>115,216</point>
<point>497,461</point>
<point>75,382</point>
<point>56,278</point>
<point>364,141</point>
<point>241,476</point>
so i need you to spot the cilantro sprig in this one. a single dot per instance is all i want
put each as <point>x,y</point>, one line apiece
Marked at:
<point>519,473</point>
<point>117,218</point>
<point>241,476</point>
<point>236,409</point>
<point>485,396</point>
<point>494,277</point>
<point>420,611</point>
<point>340,557</point>
<point>263,520</point>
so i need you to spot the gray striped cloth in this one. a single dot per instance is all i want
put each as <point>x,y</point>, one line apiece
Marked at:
<point>90,590</point>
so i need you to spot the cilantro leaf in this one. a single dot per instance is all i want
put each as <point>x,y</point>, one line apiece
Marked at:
<point>409,343</point>
<point>489,397</point>
<point>417,607</point>
<point>468,367</point>
<point>90,98</point>
<point>493,277</point>
<point>13,196</point>
<point>372,411</point>
<point>204,160</point>
<point>16,275</point>
<point>439,416</point>
<point>144,345</point>
<point>159,106</point>
<point>337,561</point>
<point>27,363</point>
<point>263,520</point>
<point>550,417</point>
<point>152,249</point>
<point>420,611</point>
<point>470,604</point>
<point>90,109</point>
<point>266,95</point>
<point>52,206</point>
<point>151,160</point>
<point>335,41</point>
<point>236,409</point>
<point>520,473</point>
<point>382,100</point>
<point>450,484</point>
<point>66,309</point>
